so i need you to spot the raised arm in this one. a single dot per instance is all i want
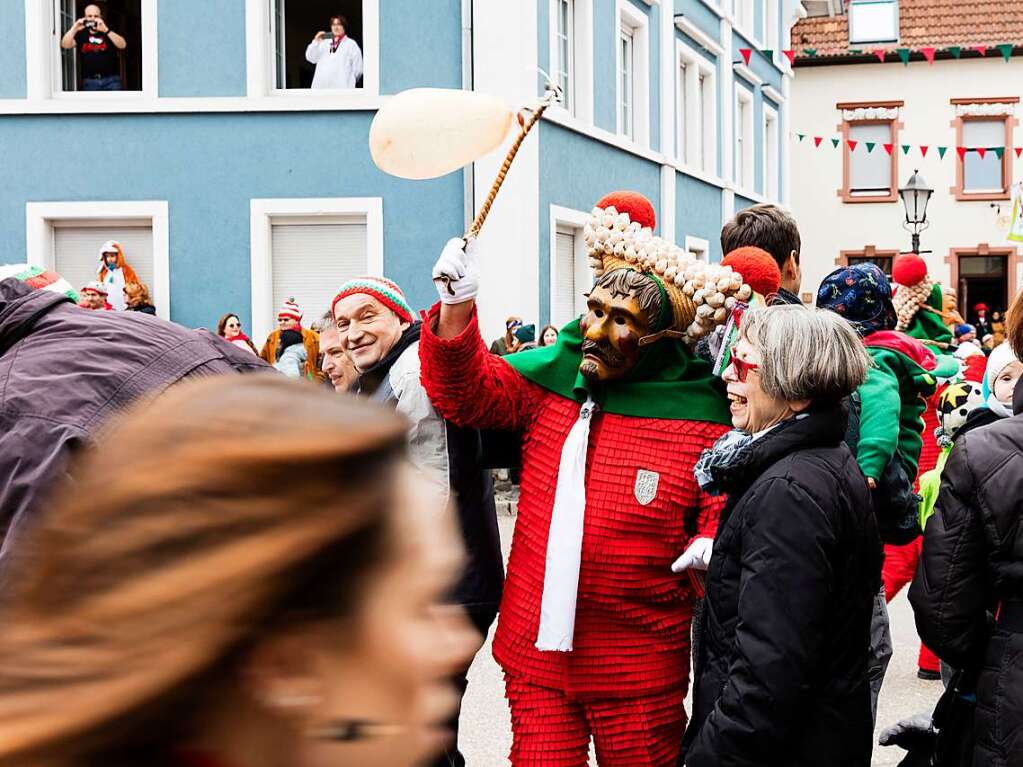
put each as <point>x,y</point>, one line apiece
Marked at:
<point>466,383</point>
<point>68,40</point>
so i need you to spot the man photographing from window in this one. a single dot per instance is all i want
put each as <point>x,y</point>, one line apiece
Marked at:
<point>97,49</point>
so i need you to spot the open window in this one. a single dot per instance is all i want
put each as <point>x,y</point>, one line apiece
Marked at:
<point>95,60</point>
<point>295,24</point>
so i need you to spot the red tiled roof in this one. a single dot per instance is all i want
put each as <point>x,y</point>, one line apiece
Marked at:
<point>922,23</point>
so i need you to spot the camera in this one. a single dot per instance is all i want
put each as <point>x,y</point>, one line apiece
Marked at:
<point>328,35</point>
<point>91,25</point>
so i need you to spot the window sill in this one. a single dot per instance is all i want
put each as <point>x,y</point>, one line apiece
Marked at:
<point>853,199</point>
<point>118,103</point>
<point>962,196</point>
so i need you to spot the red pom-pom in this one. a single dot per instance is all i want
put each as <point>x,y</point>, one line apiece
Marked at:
<point>909,269</point>
<point>636,205</point>
<point>758,269</point>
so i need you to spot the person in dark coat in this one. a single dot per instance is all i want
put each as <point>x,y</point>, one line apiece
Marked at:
<point>967,594</point>
<point>65,371</point>
<point>781,674</point>
<point>380,335</point>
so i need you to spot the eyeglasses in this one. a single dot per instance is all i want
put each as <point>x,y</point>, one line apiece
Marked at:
<point>742,368</point>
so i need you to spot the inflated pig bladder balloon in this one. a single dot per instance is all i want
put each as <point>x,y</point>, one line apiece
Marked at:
<point>429,132</point>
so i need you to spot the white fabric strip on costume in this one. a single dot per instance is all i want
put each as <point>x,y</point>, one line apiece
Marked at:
<point>565,540</point>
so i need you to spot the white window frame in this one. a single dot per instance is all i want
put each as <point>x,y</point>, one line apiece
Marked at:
<point>40,218</point>
<point>772,150</point>
<point>856,37</point>
<point>43,59</point>
<point>772,23</point>
<point>261,77</point>
<point>705,142</point>
<point>744,13</point>
<point>697,247</point>
<point>579,102</point>
<point>747,158</point>
<point>567,218</point>
<point>630,17</point>
<point>262,213</point>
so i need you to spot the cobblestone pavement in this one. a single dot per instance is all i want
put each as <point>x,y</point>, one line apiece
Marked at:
<point>486,731</point>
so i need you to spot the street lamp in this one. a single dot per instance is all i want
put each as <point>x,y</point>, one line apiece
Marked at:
<point>915,196</point>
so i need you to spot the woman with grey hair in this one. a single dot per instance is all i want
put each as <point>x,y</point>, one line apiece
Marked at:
<point>781,676</point>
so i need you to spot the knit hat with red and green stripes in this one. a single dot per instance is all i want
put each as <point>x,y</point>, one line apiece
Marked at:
<point>383,290</point>
<point>39,278</point>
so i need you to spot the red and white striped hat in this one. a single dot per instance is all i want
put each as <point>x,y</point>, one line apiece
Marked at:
<point>289,309</point>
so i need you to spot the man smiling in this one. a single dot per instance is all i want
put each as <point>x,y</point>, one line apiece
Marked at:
<point>378,332</point>
<point>594,629</point>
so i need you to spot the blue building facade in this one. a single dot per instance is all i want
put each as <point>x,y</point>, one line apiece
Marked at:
<point>233,192</point>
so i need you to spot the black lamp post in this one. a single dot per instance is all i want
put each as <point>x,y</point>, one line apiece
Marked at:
<point>915,196</point>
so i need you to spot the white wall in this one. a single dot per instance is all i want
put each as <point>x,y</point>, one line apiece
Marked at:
<point>826,224</point>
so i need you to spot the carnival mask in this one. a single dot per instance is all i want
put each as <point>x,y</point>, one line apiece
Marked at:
<point>611,329</point>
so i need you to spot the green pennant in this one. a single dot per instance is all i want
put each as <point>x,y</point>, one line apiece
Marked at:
<point>801,136</point>
<point>870,146</point>
<point>835,142</point>
<point>856,51</point>
<point>999,151</point>
<point>905,148</point>
<point>941,152</point>
<point>1006,50</point>
<point>811,52</point>
<point>903,55</point>
<point>955,50</point>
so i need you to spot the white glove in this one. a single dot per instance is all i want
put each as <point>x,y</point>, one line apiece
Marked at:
<point>456,273</point>
<point>697,556</point>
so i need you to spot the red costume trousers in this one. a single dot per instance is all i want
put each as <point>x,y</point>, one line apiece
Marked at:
<point>551,729</point>
<point>899,566</point>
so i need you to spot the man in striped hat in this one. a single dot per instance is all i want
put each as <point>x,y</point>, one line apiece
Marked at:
<point>289,318</point>
<point>381,336</point>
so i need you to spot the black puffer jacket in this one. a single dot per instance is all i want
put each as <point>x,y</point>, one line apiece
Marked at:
<point>781,678</point>
<point>971,570</point>
<point>65,370</point>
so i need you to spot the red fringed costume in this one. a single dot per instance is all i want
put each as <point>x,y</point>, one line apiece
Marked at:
<point>624,681</point>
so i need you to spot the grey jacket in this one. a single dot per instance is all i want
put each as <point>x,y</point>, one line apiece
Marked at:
<point>64,370</point>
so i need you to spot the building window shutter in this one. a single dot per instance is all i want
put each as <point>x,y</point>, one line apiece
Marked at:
<point>311,261</point>
<point>564,276</point>
<point>870,173</point>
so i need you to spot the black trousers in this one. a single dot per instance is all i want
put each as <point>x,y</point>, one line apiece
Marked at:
<point>481,618</point>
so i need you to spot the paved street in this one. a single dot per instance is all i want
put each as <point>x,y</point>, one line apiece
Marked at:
<point>486,733</point>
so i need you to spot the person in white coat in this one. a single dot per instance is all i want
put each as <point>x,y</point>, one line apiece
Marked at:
<point>337,57</point>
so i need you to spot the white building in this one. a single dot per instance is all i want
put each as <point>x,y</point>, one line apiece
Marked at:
<point>846,199</point>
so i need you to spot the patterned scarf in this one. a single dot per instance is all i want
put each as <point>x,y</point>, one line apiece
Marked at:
<point>728,451</point>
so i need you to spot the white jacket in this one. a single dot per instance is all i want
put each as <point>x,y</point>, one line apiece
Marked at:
<point>340,69</point>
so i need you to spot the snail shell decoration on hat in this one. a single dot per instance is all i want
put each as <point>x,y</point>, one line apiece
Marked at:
<point>909,271</point>
<point>702,295</point>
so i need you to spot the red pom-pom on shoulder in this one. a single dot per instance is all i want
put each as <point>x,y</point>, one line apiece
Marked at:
<point>636,205</point>
<point>758,269</point>
<point>909,269</point>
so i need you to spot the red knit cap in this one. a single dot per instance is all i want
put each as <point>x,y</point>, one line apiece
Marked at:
<point>383,290</point>
<point>634,204</point>
<point>758,268</point>
<point>909,269</point>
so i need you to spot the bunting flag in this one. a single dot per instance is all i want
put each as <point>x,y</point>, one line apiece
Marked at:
<point>962,152</point>
<point>835,142</point>
<point>923,150</point>
<point>941,152</point>
<point>746,53</point>
<point>889,148</point>
<point>1006,50</point>
<point>801,136</point>
<point>903,55</point>
<point>1018,150</point>
<point>817,140</point>
<point>769,52</point>
<point>981,150</point>
<point>905,148</point>
<point>790,55</point>
<point>981,49</point>
<point>870,146</point>
<point>879,52</point>
<point>955,50</point>
<point>811,52</point>
<point>928,54</point>
<point>852,145</point>
<point>999,152</point>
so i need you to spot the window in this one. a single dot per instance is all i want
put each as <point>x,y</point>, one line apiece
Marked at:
<point>564,68</point>
<point>697,111</point>
<point>873,21</point>
<point>983,174</point>
<point>984,127</point>
<point>306,248</point>
<point>771,148</point>
<point>625,86</point>
<point>869,170</point>
<point>744,15</point>
<point>94,64</point>
<point>67,236</point>
<point>295,23</point>
<point>772,21</point>
<point>570,274</point>
<point>571,54</point>
<point>743,138</point>
<point>698,248</point>
<point>633,82</point>
<point>882,259</point>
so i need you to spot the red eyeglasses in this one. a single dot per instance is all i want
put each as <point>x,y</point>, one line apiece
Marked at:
<point>742,368</point>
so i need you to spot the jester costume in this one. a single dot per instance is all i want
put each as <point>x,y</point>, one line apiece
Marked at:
<point>616,668</point>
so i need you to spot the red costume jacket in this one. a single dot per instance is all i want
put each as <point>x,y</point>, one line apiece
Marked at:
<point>633,614</point>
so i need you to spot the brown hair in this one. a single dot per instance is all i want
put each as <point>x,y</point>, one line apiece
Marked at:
<point>1014,324</point>
<point>340,20</point>
<point>628,282</point>
<point>764,226</point>
<point>543,331</point>
<point>137,292</point>
<point>139,592</point>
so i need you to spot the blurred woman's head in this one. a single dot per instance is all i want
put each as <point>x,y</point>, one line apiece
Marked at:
<point>137,294</point>
<point>229,326</point>
<point>788,358</point>
<point>548,336</point>
<point>262,590</point>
